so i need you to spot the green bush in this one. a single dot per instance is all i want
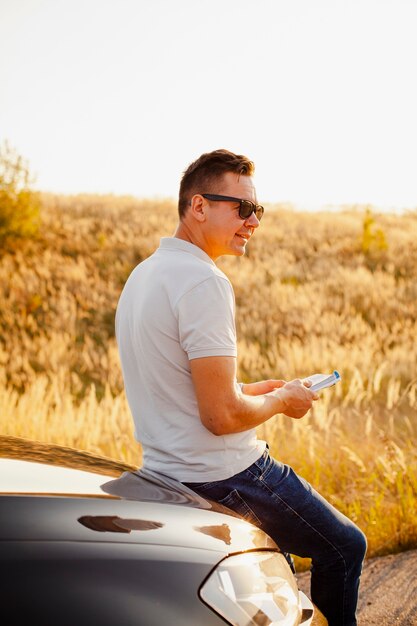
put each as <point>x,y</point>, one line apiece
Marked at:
<point>374,243</point>
<point>19,204</point>
<point>373,238</point>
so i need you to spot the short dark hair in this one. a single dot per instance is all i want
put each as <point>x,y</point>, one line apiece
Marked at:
<point>203,174</point>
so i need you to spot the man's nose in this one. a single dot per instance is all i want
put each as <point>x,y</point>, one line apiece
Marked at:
<point>252,220</point>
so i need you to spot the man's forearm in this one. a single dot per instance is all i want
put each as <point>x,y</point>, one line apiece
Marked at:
<point>244,412</point>
<point>252,410</point>
<point>225,409</point>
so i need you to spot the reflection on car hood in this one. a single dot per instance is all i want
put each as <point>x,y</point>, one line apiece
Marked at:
<point>42,518</point>
<point>139,507</point>
<point>21,476</point>
<point>148,486</point>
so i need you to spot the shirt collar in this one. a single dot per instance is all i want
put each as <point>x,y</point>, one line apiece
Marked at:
<point>175,244</point>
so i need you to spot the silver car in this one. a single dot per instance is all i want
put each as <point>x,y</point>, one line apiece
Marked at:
<point>88,541</point>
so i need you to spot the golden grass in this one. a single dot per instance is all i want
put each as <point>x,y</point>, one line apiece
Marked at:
<point>315,292</point>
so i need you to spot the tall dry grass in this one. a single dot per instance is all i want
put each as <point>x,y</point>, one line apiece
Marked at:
<point>315,292</point>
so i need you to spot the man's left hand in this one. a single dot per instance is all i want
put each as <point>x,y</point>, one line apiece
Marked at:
<point>262,386</point>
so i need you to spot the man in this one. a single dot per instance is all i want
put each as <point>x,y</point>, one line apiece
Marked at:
<point>176,334</point>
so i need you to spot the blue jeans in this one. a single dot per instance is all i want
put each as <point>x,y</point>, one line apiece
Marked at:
<point>271,495</point>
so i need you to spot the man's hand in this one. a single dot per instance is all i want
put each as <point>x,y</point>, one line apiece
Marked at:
<point>261,387</point>
<point>297,398</point>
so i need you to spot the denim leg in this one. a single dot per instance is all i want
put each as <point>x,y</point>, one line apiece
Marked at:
<point>301,522</point>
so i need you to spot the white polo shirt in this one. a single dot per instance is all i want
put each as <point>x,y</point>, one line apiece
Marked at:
<point>177,306</point>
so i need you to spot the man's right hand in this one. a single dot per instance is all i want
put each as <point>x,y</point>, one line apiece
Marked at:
<point>296,397</point>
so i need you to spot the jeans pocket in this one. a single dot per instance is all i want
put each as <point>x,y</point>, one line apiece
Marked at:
<point>262,466</point>
<point>234,501</point>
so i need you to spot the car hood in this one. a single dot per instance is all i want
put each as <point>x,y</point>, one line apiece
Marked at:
<point>59,518</point>
<point>42,502</point>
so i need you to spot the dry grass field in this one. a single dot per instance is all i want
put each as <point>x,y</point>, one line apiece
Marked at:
<point>315,292</point>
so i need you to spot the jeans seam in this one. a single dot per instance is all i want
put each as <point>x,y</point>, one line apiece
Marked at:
<point>258,522</point>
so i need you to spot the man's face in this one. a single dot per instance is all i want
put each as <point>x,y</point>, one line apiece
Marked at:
<point>225,232</point>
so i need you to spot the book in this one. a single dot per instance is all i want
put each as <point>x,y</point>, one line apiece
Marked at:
<point>321,381</point>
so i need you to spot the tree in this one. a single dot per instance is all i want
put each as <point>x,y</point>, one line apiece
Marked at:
<point>19,204</point>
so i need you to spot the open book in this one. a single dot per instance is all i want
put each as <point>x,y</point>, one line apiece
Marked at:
<point>321,381</point>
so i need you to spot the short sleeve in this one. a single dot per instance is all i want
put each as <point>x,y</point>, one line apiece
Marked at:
<point>206,319</point>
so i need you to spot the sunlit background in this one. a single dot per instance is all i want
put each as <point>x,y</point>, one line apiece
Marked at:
<point>109,96</point>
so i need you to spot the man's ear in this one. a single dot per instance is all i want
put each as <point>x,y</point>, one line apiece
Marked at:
<point>198,208</point>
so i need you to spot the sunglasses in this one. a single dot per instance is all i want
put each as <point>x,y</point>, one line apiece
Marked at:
<point>246,207</point>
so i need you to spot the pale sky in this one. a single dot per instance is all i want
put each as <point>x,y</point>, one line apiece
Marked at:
<point>119,96</point>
